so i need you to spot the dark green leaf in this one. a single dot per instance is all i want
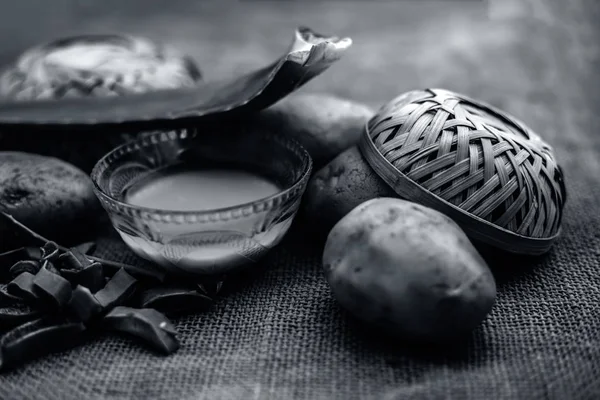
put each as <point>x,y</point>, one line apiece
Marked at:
<point>83,305</point>
<point>53,287</point>
<point>23,288</point>
<point>50,267</point>
<point>24,266</point>
<point>23,236</point>
<point>174,299</point>
<point>117,290</point>
<point>147,324</point>
<point>245,94</point>
<point>38,338</point>
<point>50,251</point>
<point>15,314</point>
<point>70,275</point>
<point>74,260</point>
<point>83,260</point>
<point>32,253</point>
<point>9,258</point>
<point>92,277</point>
<point>7,298</point>
<point>68,262</point>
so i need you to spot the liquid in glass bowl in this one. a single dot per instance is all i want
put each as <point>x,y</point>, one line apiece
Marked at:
<point>203,202</point>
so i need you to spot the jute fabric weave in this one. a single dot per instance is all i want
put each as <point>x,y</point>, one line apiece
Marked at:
<point>280,334</point>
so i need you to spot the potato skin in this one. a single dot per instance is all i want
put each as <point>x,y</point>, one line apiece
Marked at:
<point>325,125</point>
<point>408,270</point>
<point>48,195</point>
<point>339,187</point>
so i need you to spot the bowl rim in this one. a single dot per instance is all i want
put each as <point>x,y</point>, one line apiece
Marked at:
<point>147,138</point>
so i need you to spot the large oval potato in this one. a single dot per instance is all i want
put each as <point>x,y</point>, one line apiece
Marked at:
<point>409,270</point>
<point>48,195</point>
<point>325,125</point>
<point>339,187</point>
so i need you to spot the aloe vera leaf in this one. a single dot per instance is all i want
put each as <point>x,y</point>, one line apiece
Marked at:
<point>147,324</point>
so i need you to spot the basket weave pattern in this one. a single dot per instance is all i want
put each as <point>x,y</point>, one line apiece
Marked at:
<point>475,157</point>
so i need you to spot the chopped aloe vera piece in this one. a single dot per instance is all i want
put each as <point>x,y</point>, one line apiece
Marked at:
<point>37,338</point>
<point>19,267</point>
<point>50,251</point>
<point>117,290</point>
<point>9,258</point>
<point>23,288</point>
<point>174,299</point>
<point>92,277</point>
<point>74,260</point>
<point>147,324</point>
<point>12,315</point>
<point>53,287</point>
<point>83,305</point>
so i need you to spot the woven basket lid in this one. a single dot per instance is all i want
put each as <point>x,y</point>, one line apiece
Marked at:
<point>96,66</point>
<point>480,166</point>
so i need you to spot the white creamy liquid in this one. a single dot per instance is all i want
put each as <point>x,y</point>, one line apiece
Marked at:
<point>203,247</point>
<point>200,190</point>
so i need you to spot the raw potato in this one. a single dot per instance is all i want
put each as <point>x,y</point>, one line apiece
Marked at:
<point>409,270</point>
<point>48,195</point>
<point>339,187</point>
<point>325,125</point>
<point>82,151</point>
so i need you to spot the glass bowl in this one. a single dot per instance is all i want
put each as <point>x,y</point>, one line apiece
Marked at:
<point>204,242</point>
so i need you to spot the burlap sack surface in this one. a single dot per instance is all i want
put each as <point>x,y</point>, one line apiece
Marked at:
<point>278,334</point>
